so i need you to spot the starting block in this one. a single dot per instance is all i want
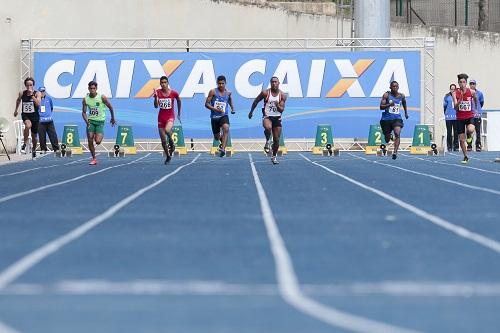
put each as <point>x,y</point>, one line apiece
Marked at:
<point>383,151</point>
<point>64,151</point>
<point>435,151</point>
<point>330,151</point>
<point>117,151</point>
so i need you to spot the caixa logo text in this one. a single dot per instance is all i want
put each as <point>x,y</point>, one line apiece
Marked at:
<point>247,80</point>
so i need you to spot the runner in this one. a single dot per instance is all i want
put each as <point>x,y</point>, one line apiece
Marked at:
<point>217,102</point>
<point>30,99</point>
<point>391,121</point>
<point>164,99</point>
<point>463,98</point>
<point>274,105</point>
<point>96,105</point>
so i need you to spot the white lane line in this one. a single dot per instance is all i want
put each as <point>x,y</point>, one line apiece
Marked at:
<point>289,286</point>
<point>446,180</point>
<point>18,268</point>
<point>458,230</point>
<point>6,329</point>
<point>44,187</point>
<point>220,288</point>
<point>455,165</point>
<point>38,168</point>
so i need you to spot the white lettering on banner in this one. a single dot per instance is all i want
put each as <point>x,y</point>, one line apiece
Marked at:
<point>394,69</point>
<point>288,69</point>
<point>50,80</point>
<point>346,70</point>
<point>248,79</point>
<point>316,76</point>
<point>200,80</point>
<point>96,70</point>
<point>242,78</point>
<point>125,78</point>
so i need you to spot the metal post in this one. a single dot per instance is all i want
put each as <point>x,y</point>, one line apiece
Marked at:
<point>456,13</point>
<point>466,12</point>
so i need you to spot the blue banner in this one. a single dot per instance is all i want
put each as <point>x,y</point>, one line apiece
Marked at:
<point>338,88</point>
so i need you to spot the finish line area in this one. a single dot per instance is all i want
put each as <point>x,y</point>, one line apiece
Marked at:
<point>354,243</point>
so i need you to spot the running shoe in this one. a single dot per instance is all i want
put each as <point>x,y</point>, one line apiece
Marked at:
<point>222,152</point>
<point>23,148</point>
<point>167,160</point>
<point>33,155</point>
<point>274,160</point>
<point>465,160</point>
<point>93,162</point>
<point>267,147</point>
<point>394,156</point>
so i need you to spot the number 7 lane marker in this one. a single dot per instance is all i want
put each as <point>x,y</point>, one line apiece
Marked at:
<point>288,283</point>
<point>18,268</point>
<point>458,230</point>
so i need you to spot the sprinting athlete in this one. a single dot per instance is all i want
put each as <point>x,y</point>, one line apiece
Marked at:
<point>164,99</point>
<point>463,98</point>
<point>30,99</point>
<point>391,121</point>
<point>217,101</point>
<point>274,105</point>
<point>96,105</point>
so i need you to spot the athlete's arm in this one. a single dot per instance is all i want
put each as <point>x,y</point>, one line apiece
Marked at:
<point>208,101</point>
<point>383,102</point>
<point>84,112</point>
<point>230,101</point>
<point>178,99</point>
<point>403,101</point>
<point>455,101</point>
<point>476,100</point>
<point>37,98</point>
<point>256,101</point>
<point>110,107</point>
<point>281,104</point>
<point>18,101</point>
<point>155,100</point>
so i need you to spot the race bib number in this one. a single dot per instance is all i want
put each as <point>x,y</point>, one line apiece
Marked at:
<point>464,106</point>
<point>42,109</point>
<point>165,103</point>
<point>221,106</point>
<point>394,109</point>
<point>94,111</point>
<point>28,107</point>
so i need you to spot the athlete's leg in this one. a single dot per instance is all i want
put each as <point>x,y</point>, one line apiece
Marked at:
<point>276,139</point>
<point>90,139</point>
<point>34,135</point>
<point>26,133</point>
<point>225,134</point>
<point>168,133</point>
<point>397,139</point>
<point>267,124</point>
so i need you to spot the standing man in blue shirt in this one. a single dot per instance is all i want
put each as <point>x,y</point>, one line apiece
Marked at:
<point>478,111</point>
<point>450,116</point>
<point>391,121</point>
<point>46,125</point>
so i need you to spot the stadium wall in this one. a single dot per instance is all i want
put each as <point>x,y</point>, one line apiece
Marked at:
<point>476,53</point>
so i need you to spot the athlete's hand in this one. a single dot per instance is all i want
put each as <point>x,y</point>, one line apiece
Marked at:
<point>233,112</point>
<point>250,114</point>
<point>15,113</point>
<point>154,93</point>
<point>113,122</point>
<point>406,115</point>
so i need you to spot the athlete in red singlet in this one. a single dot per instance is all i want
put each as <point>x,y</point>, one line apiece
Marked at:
<point>164,99</point>
<point>462,100</point>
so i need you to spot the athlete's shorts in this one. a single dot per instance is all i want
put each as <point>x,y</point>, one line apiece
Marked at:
<point>388,125</point>
<point>34,118</point>
<point>96,126</point>
<point>275,121</point>
<point>218,122</point>
<point>164,117</point>
<point>462,125</point>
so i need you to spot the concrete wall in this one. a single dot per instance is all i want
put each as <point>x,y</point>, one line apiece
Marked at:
<point>24,19</point>
<point>456,50</point>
